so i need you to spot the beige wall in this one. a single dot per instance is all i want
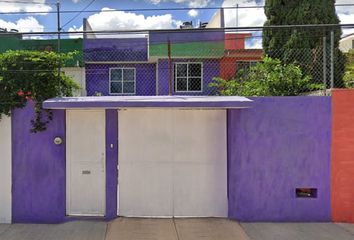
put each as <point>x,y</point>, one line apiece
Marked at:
<point>78,74</point>
<point>346,44</point>
<point>5,170</point>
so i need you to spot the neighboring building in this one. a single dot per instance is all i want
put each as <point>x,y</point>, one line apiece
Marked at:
<point>236,55</point>
<point>73,68</point>
<point>177,62</point>
<point>347,43</point>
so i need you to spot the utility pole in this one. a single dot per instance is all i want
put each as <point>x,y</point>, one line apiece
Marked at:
<point>169,67</point>
<point>59,29</point>
<point>58,22</point>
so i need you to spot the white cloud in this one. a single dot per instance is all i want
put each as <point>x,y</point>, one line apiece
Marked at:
<point>190,3</point>
<point>30,6</point>
<point>120,20</point>
<point>76,1</point>
<point>246,16</point>
<point>28,24</point>
<point>193,13</point>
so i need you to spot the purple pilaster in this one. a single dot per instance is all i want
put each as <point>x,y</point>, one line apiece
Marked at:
<point>38,169</point>
<point>111,163</point>
<point>278,145</point>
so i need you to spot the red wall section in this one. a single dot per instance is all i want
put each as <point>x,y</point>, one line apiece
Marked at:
<point>343,156</point>
<point>234,41</point>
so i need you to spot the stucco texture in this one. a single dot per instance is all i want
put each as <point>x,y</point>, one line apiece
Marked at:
<point>280,144</point>
<point>38,169</point>
<point>342,156</point>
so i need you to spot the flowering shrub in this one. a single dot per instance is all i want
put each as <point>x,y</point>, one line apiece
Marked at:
<point>27,76</point>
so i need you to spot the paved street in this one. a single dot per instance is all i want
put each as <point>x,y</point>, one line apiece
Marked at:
<point>177,229</point>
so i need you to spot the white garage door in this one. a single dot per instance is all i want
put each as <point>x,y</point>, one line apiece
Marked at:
<point>172,163</point>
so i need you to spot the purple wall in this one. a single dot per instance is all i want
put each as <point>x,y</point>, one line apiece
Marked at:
<point>39,174</point>
<point>38,169</point>
<point>113,49</point>
<point>189,35</point>
<point>280,144</point>
<point>211,69</point>
<point>97,78</point>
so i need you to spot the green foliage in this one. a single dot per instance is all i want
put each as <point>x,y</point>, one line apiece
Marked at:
<point>304,46</point>
<point>349,70</point>
<point>27,76</point>
<point>267,78</point>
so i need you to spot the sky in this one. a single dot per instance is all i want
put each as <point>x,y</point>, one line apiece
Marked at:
<point>132,18</point>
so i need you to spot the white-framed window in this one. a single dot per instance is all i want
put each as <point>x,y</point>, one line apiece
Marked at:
<point>245,65</point>
<point>188,77</point>
<point>122,80</point>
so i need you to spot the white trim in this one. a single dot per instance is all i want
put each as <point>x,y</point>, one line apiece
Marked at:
<point>110,80</point>
<point>201,76</point>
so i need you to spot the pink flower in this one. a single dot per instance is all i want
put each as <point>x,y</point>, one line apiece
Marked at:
<point>20,93</point>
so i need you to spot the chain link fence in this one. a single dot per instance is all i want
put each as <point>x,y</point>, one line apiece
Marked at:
<point>204,62</point>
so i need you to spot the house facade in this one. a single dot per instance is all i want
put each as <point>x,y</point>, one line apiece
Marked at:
<point>73,68</point>
<point>165,62</point>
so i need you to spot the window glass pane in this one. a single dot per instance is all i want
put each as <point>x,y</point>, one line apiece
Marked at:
<point>128,87</point>
<point>181,84</point>
<point>116,87</point>
<point>116,74</point>
<point>195,70</point>
<point>129,75</point>
<point>194,84</point>
<point>181,70</point>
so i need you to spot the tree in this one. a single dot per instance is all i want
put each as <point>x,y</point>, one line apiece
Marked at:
<point>33,76</point>
<point>267,78</point>
<point>304,46</point>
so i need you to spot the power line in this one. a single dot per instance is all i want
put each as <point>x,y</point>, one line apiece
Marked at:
<point>189,31</point>
<point>27,2</point>
<point>87,6</point>
<point>148,9</point>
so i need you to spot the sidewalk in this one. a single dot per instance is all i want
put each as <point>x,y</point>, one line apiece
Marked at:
<point>177,229</point>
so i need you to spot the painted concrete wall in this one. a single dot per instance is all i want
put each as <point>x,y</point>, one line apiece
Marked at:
<point>278,145</point>
<point>111,163</point>
<point>210,68</point>
<point>118,49</point>
<point>187,43</point>
<point>342,156</point>
<point>38,179</point>
<point>97,78</point>
<point>5,169</point>
<point>78,74</point>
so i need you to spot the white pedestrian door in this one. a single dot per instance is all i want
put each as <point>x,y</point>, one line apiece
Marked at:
<point>85,167</point>
<point>172,163</point>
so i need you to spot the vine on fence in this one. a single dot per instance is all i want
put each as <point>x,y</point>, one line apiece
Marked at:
<point>33,76</point>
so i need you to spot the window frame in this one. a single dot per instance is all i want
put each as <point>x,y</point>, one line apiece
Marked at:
<point>245,61</point>
<point>121,81</point>
<point>201,76</point>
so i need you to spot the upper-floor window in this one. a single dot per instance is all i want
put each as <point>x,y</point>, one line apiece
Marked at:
<point>188,77</point>
<point>122,80</point>
<point>245,65</point>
